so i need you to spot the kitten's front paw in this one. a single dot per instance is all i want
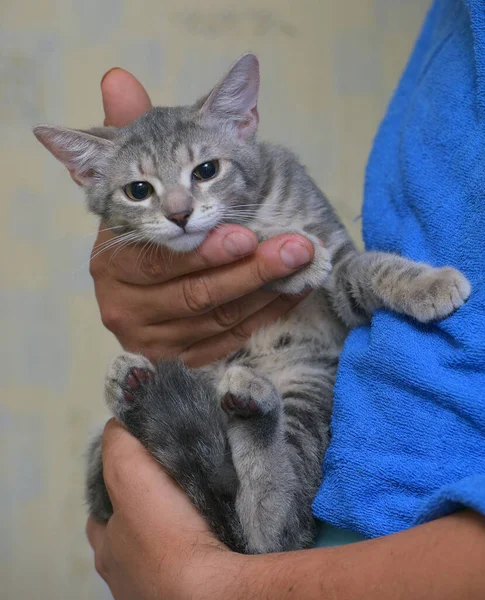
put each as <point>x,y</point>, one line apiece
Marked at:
<point>128,376</point>
<point>436,293</point>
<point>247,394</point>
<point>310,277</point>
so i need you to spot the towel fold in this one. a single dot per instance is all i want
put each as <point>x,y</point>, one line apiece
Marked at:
<point>408,429</point>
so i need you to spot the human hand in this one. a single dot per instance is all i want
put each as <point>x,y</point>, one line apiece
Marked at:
<point>199,306</point>
<point>155,545</point>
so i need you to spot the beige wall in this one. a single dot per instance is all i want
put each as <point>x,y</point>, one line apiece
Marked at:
<point>328,68</point>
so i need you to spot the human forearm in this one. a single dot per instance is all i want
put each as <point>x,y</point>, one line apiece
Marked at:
<point>156,546</point>
<point>442,560</point>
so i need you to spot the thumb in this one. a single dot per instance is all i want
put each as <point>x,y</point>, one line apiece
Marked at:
<point>137,485</point>
<point>126,463</point>
<point>124,98</point>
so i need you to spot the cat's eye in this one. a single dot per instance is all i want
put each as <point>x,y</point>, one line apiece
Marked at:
<point>138,190</point>
<point>205,171</point>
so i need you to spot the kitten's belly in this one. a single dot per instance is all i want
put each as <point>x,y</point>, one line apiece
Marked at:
<point>293,348</point>
<point>307,323</point>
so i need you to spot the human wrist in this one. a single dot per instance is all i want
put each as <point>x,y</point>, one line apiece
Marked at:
<point>213,573</point>
<point>239,577</point>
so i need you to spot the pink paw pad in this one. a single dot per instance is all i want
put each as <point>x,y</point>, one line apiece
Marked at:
<point>233,404</point>
<point>134,380</point>
<point>128,396</point>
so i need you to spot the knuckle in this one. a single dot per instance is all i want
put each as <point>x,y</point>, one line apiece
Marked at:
<point>241,332</point>
<point>288,301</point>
<point>227,315</point>
<point>112,318</point>
<point>261,274</point>
<point>159,350</point>
<point>197,295</point>
<point>100,565</point>
<point>119,471</point>
<point>153,265</point>
<point>114,471</point>
<point>96,267</point>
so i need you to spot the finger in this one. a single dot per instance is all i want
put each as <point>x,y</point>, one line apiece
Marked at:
<point>95,532</point>
<point>200,293</point>
<point>182,333</point>
<point>138,264</point>
<point>124,98</point>
<point>220,346</point>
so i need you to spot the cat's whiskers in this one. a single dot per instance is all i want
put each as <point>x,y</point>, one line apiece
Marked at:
<point>124,245</point>
<point>119,248</point>
<point>144,251</point>
<point>100,248</point>
<point>171,256</point>
<point>102,231</point>
<point>113,239</point>
<point>110,244</point>
<point>153,247</point>
<point>253,211</point>
<point>266,222</point>
<point>258,204</point>
<point>139,257</point>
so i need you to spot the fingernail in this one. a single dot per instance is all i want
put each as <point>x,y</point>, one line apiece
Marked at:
<point>294,255</point>
<point>239,244</point>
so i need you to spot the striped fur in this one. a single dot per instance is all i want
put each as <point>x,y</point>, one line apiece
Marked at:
<point>254,467</point>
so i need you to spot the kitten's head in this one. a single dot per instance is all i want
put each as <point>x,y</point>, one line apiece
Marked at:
<point>175,173</point>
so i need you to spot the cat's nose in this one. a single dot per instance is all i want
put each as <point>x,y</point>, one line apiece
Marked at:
<point>180,218</point>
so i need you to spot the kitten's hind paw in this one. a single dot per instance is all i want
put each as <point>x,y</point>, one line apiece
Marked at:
<point>436,293</point>
<point>127,377</point>
<point>243,407</point>
<point>247,394</point>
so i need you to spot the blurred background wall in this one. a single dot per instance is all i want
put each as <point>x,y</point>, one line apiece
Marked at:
<point>328,69</point>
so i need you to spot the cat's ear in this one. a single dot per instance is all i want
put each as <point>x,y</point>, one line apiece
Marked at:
<point>83,153</point>
<point>235,97</point>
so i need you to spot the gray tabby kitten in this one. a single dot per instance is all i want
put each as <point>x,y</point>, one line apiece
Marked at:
<point>245,437</point>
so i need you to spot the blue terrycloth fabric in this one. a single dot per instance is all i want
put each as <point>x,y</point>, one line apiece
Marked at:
<point>408,429</point>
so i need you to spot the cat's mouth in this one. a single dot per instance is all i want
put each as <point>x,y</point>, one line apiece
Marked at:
<point>185,241</point>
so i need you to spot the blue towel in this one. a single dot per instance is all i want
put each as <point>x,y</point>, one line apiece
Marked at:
<point>408,431</point>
